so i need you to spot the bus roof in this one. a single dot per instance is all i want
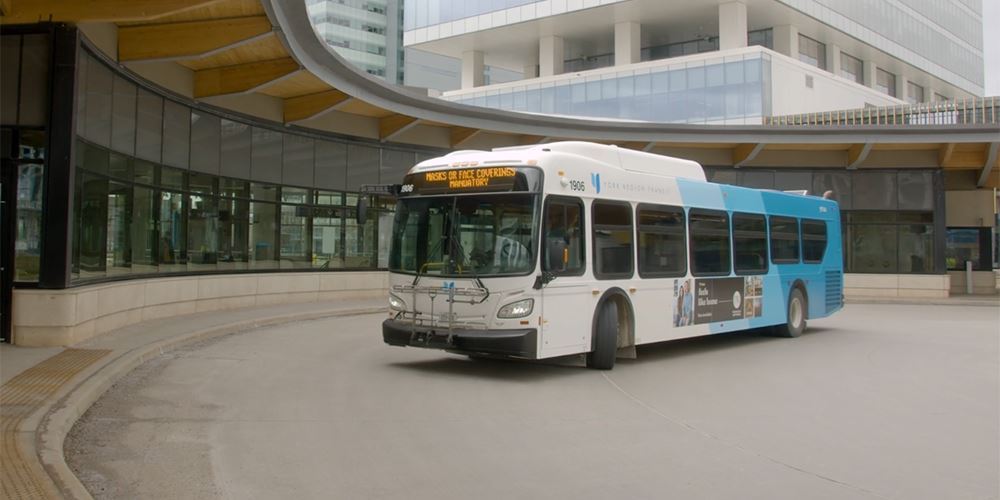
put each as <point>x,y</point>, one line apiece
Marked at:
<point>609,155</point>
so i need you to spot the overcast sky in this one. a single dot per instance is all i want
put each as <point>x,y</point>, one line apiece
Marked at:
<point>991,45</point>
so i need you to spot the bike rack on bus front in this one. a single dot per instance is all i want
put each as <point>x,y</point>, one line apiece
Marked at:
<point>462,295</point>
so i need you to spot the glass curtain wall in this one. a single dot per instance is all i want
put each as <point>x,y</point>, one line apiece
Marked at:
<point>887,216</point>
<point>162,187</point>
<point>24,89</point>
<point>719,90</point>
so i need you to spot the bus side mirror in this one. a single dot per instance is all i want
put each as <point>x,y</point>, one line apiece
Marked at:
<point>361,214</point>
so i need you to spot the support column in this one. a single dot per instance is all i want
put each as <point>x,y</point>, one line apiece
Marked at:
<point>472,69</point>
<point>833,59</point>
<point>627,43</point>
<point>870,70</point>
<point>551,54</point>
<point>786,40</point>
<point>57,210</point>
<point>732,25</point>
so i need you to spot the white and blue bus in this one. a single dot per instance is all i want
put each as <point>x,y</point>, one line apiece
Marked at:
<point>578,248</point>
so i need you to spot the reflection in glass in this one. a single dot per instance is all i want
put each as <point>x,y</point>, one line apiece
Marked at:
<point>872,248</point>
<point>173,237</point>
<point>91,225</point>
<point>234,227</point>
<point>203,228</point>
<point>119,253</point>
<point>27,245</point>
<point>263,231</point>
<point>327,239</point>
<point>294,239</point>
<point>143,230</point>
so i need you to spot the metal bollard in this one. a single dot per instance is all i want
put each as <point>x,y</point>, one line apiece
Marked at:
<point>968,277</point>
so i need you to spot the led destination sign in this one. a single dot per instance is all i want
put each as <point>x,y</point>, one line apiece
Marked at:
<point>466,180</point>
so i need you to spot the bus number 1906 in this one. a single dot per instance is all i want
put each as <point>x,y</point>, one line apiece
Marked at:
<point>577,186</point>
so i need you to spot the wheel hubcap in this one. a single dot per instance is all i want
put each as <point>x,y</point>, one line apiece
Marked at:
<point>795,313</point>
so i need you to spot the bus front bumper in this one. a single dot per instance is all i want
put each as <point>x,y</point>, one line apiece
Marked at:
<point>516,343</point>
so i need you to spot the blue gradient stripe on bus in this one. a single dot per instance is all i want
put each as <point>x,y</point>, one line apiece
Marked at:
<point>696,194</point>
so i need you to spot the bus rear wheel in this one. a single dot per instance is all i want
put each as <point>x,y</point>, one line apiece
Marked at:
<point>602,357</point>
<point>796,323</point>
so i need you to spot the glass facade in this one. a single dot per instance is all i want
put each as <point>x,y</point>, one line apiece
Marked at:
<point>715,90</point>
<point>929,34</point>
<point>365,32</point>
<point>164,187</point>
<point>885,82</point>
<point>914,93</point>
<point>421,13</point>
<point>852,68</point>
<point>812,52</point>
<point>24,88</point>
<point>887,216</point>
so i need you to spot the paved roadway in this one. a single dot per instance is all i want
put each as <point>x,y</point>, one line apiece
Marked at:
<point>886,401</point>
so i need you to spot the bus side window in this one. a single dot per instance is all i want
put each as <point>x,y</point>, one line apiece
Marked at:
<point>662,241</point>
<point>562,245</point>
<point>709,242</point>
<point>813,240</point>
<point>612,236</point>
<point>784,240</point>
<point>749,244</point>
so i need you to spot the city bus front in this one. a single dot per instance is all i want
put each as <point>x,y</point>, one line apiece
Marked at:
<point>463,263</point>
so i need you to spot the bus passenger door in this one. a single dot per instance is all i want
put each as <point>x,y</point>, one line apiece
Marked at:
<point>567,305</point>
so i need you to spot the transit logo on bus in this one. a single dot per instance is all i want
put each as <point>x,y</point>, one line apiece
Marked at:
<point>595,180</point>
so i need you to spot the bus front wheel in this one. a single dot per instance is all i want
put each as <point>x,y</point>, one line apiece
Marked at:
<point>602,357</point>
<point>796,323</point>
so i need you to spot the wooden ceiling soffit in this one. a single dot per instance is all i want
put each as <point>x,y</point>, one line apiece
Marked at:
<point>992,152</point>
<point>74,11</point>
<point>313,105</point>
<point>945,153</point>
<point>391,126</point>
<point>303,83</point>
<point>460,135</point>
<point>530,140</point>
<point>195,39</point>
<point>857,154</point>
<point>242,78</point>
<point>638,146</point>
<point>744,153</point>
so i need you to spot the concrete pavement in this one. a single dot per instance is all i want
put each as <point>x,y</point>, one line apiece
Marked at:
<point>45,390</point>
<point>888,401</point>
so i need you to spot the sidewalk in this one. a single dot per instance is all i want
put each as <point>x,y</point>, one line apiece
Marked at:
<point>45,390</point>
<point>956,300</point>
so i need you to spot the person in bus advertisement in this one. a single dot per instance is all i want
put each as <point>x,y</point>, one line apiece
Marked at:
<point>684,310</point>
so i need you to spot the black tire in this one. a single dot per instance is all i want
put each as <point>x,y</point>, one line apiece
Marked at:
<point>605,338</point>
<point>796,315</point>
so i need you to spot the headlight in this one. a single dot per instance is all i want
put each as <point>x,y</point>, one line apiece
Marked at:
<point>396,303</point>
<point>517,309</point>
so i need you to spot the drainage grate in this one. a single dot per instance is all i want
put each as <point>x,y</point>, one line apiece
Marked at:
<point>19,398</point>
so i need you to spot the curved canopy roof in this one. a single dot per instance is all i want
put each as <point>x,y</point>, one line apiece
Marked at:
<point>263,58</point>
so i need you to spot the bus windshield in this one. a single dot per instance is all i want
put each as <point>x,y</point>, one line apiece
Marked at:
<point>482,235</point>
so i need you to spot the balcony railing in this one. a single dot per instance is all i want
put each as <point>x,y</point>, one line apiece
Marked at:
<point>976,111</point>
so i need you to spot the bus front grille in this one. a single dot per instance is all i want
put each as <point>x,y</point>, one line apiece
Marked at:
<point>834,290</point>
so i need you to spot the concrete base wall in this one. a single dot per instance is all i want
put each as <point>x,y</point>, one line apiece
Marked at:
<point>897,285</point>
<point>983,282</point>
<point>66,317</point>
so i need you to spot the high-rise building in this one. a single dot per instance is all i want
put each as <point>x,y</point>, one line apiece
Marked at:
<point>365,32</point>
<point>694,61</point>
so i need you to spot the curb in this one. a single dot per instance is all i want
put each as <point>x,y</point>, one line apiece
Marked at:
<point>60,415</point>
<point>924,302</point>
